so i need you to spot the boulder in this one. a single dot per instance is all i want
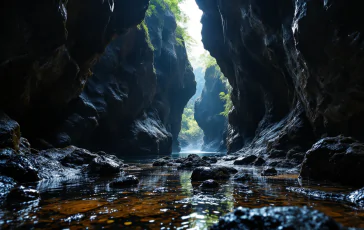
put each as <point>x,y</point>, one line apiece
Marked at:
<point>216,173</point>
<point>192,161</point>
<point>6,184</point>
<point>246,160</point>
<point>338,159</point>
<point>276,218</point>
<point>104,166</point>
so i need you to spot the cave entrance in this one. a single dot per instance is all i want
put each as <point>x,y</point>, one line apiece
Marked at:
<point>204,121</point>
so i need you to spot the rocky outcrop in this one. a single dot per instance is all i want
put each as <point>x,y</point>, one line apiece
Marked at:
<point>294,69</point>
<point>88,73</point>
<point>276,218</point>
<point>48,49</point>
<point>338,159</point>
<point>208,109</point>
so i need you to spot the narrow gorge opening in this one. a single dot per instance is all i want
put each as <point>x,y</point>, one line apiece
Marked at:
<point>113,114</point>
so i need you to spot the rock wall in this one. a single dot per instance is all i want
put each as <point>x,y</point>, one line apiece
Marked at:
<point>294,67</point>
<point>86,73</point>
<point>207,111</point>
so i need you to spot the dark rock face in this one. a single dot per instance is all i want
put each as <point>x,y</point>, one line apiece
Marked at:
<point>207,111</point>
<point>276,218</point>
<point>246,160</point>
<point>132,100</point>
<point>48,50</point>
<point>339,159</point>
<point>215,173</point>
<point>294,69</point>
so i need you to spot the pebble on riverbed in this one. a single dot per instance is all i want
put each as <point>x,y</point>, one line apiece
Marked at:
<point>269,171</point>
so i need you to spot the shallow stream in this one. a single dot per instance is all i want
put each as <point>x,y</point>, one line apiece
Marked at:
<point>164,199</point>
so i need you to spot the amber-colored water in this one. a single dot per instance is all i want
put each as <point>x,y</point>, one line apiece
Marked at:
<point>164,199</point>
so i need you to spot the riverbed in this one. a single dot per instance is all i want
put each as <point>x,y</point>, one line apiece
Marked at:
<point>164,199</point>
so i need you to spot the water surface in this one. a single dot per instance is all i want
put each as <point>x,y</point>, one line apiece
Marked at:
<point>164,199</point>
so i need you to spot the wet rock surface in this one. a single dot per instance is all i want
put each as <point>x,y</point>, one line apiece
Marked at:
<point>269,171</point>
<point>6,184</point>
<point>124,181</point>
<point>104,166</point>
<point>191,162</point>
<point>245,160</point>
<point>276,218</point>
<point>338,159</point>
<point>9,132</point>
<point>209,184</point>
<point>356,197</point>
<point>211,160</point>
<point>215,173</point>
<point>22,194</point>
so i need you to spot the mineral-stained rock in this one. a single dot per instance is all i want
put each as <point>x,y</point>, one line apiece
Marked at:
<point>104,166</point>
<point>216,173</point>
<point>245,160</point>
<point>192,161</point>
<point>269,171</point>
<point>276,218</point>
<point>9,132</point>
<point>22,194</point>
<point>339,159</point>
<point>124,181</point>
<point>209,184</point>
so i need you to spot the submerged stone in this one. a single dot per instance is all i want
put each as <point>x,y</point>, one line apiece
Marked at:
<point>216,173</point>
<point>276,218</point>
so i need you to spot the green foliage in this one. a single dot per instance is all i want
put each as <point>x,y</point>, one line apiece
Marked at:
<point>190,131</point>
<point>226,97</point>
<point>182,36</point>
<point>142,26</point>
<point>207,61</point>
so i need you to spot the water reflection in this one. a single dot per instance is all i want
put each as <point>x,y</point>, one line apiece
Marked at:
<point>165,198</point>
